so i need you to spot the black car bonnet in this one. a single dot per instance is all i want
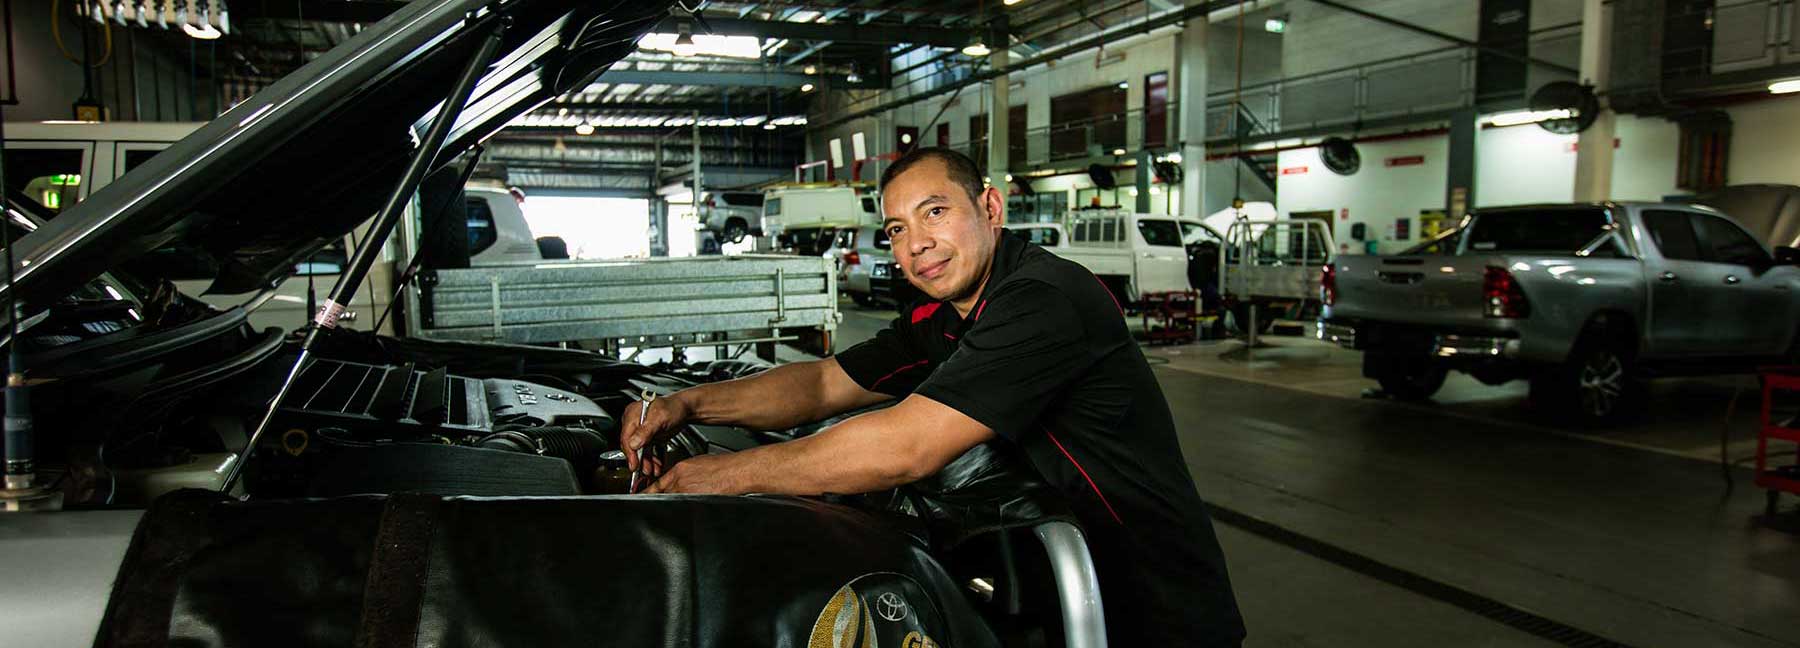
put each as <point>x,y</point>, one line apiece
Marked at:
<point>306,160</point>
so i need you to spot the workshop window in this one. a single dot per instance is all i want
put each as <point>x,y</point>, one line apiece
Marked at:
<point>1088,123</point>
<point>772,207</point>
<point>1156,110</point>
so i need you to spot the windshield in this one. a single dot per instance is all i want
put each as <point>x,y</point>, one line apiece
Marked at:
<point>1551,229</point>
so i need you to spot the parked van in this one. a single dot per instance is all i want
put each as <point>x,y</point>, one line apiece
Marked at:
<point>59,164</point>
<point>806,217</point>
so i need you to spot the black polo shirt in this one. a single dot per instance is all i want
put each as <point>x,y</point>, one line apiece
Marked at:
<point>1046,361</point>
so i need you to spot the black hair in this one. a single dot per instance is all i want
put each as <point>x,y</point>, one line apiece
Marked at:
<point>959,167</point>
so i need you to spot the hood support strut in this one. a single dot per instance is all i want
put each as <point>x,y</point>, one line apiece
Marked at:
<point>353,276</point>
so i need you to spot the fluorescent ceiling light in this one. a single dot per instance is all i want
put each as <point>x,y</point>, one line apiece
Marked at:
<point>1275,25</point>
<point>769,126</point>
<point>584,128</point>
<point>1520,117</point>
<point>1784,87</point>
<point>203,32</point>
<point>1009,3</point>
<point>1118,151</point>
<point>806,87</point>
<point>977,50</point>
<point>810,70</point>
<point>1174,157</point>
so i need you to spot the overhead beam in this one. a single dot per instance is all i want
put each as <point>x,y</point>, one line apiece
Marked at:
<point>839,31</point>
<point>706,108</point>
<point>336,11</point>
<point>704,78</point>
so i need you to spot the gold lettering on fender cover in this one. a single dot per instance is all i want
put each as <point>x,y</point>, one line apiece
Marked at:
<point>915,639</point>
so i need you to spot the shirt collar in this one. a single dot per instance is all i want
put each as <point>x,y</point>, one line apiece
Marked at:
<point>1008,249</point>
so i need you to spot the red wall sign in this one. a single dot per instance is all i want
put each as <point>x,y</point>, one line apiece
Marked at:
<point>1406,160</point>
<point>1574,146</point>
<point>1293,170</point>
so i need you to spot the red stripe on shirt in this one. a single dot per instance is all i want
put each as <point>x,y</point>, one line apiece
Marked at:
<point>925,311</point>
<point>1109,293</point>
<point>1084,475</point>
<point>980,308</point>
<point>891,374</point>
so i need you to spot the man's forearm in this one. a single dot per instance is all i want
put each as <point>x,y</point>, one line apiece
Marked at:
<point>855,456</point>
<point>776,399</point>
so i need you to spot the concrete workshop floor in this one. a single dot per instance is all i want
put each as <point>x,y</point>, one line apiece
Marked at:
<point>1629,534</point>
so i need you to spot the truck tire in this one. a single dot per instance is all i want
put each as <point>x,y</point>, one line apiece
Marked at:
<point>736,230</point>
<point>1596,386</point>
<point>1413,381</point>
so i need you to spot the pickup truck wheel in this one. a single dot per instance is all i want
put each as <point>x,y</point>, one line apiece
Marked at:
<point>1595,387</point>
<point>1414,383</point>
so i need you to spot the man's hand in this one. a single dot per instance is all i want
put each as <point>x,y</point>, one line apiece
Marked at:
<point>705,474</point>
<point>665,417</point>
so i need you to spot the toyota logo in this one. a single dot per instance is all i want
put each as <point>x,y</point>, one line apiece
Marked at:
<point>890,606</point>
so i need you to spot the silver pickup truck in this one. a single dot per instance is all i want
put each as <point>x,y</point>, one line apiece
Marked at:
<point>1583,300</point>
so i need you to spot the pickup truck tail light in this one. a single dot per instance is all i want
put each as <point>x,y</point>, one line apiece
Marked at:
<point>852,258</point>
<point>1328,285</point>
<point>1501,295</point>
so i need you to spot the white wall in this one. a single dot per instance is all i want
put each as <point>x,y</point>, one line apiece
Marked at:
<point>1514,165</point>
<point>1765,141</point>
<point>1376,195</point>
<point>1523,164</point>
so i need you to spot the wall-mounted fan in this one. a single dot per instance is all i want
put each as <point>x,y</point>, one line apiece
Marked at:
<point>1102,176</point>
<point>1569,97</point>
<point>1340,155</point>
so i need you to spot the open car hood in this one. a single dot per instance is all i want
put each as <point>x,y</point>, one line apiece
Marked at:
<point>310,157</point>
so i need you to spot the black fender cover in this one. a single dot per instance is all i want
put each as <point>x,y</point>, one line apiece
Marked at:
<point>418,570</point>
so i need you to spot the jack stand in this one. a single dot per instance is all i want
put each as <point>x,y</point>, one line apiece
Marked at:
<point>21,495</point>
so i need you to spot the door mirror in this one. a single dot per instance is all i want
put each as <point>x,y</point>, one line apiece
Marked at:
<point>1785,255</point>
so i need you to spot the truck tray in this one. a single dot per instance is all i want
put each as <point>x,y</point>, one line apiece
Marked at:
<point>629,299</point>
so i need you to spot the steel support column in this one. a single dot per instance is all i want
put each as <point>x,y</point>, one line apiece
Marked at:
<point>998,135</point>
<point>1459,189</point>
<point>1191,106</point>
<point>1594,149</point>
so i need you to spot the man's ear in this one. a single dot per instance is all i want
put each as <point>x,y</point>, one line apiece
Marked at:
<point>994,205</point>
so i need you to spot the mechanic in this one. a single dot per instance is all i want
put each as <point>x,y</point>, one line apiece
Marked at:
<point>1008,341</point>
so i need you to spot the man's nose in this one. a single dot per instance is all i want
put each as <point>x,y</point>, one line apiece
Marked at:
<point>918,242</point>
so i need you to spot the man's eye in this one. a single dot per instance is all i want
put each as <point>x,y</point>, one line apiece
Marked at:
<point>893,231</point>
<point>937,211</point>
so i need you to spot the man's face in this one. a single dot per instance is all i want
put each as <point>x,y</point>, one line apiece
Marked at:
<point>942,240</point>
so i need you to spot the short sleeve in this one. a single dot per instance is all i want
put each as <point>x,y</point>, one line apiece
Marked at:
<point>1028,345</point>
<point>890,363</point>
